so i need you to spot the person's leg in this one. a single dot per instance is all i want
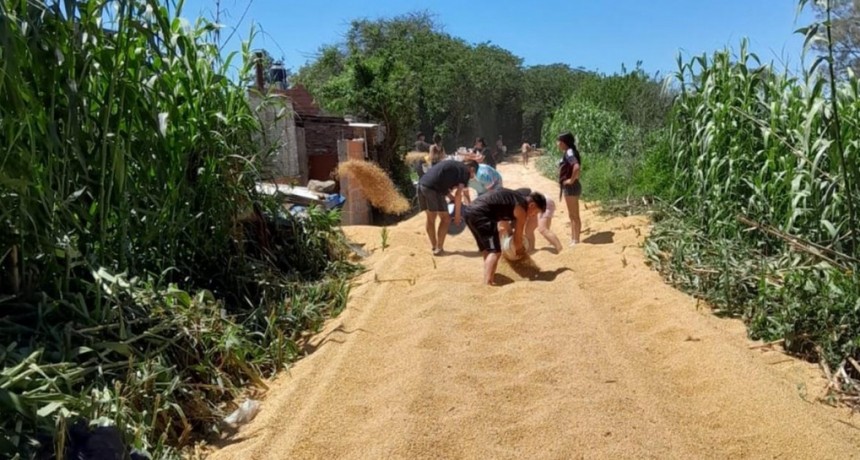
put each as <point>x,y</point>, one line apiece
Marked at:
<point>545,229</point>
<point>531,225</point>
<point>439,205</point>
<point>491,263</point>
<point>494,249</point>
<point>430,226</point>
<point>445,221</point>
<point>575,221</point>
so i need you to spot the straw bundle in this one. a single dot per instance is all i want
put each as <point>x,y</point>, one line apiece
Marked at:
<point>375,184</point>
<point>416,157</point>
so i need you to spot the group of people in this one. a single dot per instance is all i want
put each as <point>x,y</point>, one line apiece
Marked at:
<point>496,212</point>
<point>436,151</point>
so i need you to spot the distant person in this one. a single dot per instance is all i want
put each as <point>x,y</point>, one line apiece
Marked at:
<point>480,148</point>
<point>525,150</point>
<point>486,180</point>
<point>569,167</point>
<point>421,145</point>
<point>485,213</point>
<point>437,150</point>
<point>432,190</point>
<point>500,148</point>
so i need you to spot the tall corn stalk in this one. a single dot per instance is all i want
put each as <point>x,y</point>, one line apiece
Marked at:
<point>124,145</point>
<point>766,187</point>
<point>127,163</point>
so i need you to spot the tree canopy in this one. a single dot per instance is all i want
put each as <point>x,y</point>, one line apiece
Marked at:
<point>407,72</point>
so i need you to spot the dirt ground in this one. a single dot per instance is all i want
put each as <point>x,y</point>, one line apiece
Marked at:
<point>591,357</point>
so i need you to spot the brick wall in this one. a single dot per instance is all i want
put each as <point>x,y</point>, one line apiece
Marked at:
<point>322,138</point>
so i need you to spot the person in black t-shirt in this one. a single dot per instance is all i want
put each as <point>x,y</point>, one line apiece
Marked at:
<point>433,187</point>
<point>485,213</point>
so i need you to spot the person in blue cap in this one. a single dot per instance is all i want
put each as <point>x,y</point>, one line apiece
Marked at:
<point>486,179</point>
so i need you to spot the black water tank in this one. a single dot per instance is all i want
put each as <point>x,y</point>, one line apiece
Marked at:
<point>278,74</point>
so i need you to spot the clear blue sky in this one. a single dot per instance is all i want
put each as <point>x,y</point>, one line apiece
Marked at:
<point>595,34</point>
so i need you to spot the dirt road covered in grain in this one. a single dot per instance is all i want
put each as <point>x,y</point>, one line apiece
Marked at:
<point>594,357</point>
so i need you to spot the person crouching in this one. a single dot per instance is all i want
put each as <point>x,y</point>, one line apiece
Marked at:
<point>483,217</point>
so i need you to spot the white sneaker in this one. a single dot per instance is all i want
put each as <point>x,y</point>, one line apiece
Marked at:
<point>572,243</point>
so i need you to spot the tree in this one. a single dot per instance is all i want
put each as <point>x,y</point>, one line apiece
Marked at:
<point>844,33</point>
<point>455,88</point>
<point>545,88</point>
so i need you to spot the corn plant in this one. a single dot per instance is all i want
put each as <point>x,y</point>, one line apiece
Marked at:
<point>766,185</point>
<point>133,290</point>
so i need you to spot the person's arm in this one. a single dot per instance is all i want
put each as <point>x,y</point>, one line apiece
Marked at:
<point>467,195</point>
<point>574,173</point>
<point>521,216</point>
<point>494,183</point>
<point>458,204</point>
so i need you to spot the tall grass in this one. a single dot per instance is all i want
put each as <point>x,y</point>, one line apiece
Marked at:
<point>765,181</point>
<point>142,282</point>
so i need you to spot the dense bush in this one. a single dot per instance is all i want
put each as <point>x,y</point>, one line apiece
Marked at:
<point>142,281</point>
<point>620,160</point>
<point>765,191</point>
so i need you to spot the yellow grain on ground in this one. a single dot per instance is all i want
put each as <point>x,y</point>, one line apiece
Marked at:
<point>375,184</point>
<point>592,357</point>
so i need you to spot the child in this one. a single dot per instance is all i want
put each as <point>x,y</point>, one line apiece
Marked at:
<point>541,222</point>
<point>524,152</point>
<point>486,180</point>
<point>437,150</point>
<point>568,179</point>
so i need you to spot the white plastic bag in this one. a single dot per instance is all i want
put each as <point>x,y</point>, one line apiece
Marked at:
<point>244,414</point>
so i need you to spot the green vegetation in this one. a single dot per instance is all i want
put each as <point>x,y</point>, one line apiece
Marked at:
<point>619,123</point>
<point>757,180</point>
<point>763,221</point>
<point>142,281</point>
<point>410,74</point>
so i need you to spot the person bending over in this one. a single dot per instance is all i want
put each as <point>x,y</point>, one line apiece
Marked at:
<point>541,222</point>
<point>433,186</point>
<point>485,213</point>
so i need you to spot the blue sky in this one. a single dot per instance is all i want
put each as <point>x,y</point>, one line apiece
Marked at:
<point>594,34</point>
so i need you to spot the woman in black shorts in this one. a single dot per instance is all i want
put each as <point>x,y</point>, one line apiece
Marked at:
<point>568,178</point>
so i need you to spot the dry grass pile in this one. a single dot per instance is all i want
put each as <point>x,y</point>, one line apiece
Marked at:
<point>375,184</point>
<point>415,157</point>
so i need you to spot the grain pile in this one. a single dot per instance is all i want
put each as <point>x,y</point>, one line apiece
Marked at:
<point>375,184</point>
<point>594,357</point>
<point>524,268</point>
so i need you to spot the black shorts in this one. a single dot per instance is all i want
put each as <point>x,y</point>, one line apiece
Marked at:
<point>431,200</point>
<point>572,190</point>
<point>485,231</point>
